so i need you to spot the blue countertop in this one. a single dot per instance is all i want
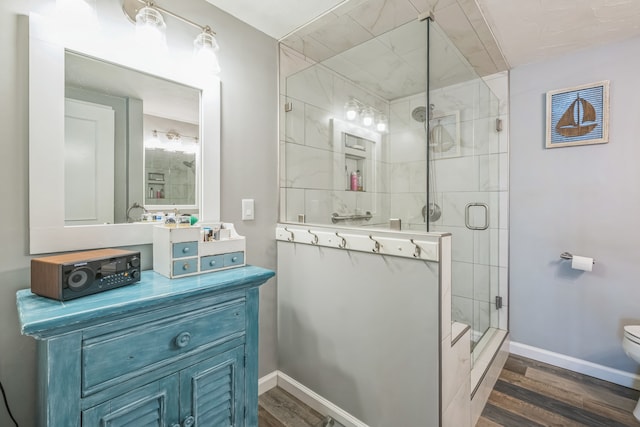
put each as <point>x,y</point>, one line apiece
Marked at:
<point>41,316</point>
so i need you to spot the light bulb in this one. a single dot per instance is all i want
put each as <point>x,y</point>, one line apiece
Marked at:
<point>367,117</point>
<point>381,126</point>
<point>77,15</point>
<point>150,29</point>
<point>205,47</point>
<point>351,110</point>
<point>153,141</point>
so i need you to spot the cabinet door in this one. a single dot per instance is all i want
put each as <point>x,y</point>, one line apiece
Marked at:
<point>155,404</point>
<point>212,391</point>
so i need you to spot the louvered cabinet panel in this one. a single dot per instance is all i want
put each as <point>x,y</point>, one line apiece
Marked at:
<point>154,404</point>
<point>212,391</point>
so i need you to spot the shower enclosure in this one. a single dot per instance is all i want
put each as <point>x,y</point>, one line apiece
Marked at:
<point>396,129</point>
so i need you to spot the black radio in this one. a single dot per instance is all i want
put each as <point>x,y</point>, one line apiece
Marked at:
<point>69,276</point>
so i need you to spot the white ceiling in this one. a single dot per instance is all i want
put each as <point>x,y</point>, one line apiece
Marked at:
<point>526,30</point>
<point>276,18</point>
<point>535,30</point>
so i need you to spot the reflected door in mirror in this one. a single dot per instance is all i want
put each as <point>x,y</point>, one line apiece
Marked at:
<point>89,161</point>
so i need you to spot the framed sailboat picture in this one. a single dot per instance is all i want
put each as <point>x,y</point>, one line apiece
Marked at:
<point>578,115</point>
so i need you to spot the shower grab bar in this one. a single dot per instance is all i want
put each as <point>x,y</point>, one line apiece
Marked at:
<point>335,217</point>
<point>467,219</point>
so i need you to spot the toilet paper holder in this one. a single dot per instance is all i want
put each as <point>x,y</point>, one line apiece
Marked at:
<point>568,255</point>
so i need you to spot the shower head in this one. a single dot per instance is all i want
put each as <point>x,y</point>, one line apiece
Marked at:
<point>189,164</point>
<point>419,114</point>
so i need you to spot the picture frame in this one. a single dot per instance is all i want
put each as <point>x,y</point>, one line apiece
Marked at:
<point>578,115</point>
<point>444,135</point>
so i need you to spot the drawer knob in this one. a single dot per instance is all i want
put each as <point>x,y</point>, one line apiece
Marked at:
<point>186,266</point>
<point>234,259</point>
<point>212,263</point>
<point>185,249</point>
<point>182,340</point>
<point>189,421</point>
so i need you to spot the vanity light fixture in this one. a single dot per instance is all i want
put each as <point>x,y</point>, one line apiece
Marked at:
<point>147,16</point>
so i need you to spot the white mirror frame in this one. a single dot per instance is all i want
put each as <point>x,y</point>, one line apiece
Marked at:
<point>46,143</point>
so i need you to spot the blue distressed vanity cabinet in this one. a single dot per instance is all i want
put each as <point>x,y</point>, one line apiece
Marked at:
<point>174,353</point>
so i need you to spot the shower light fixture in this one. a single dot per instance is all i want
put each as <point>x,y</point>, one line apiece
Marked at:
<point>367,114</point>
<point>150,30</point>
<point>173,141</point>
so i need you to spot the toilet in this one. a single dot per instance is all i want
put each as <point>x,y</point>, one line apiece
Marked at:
<point>631,346</point>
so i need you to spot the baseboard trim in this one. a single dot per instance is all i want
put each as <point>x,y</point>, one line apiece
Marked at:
<point>616,376</point>
<point>317,402</point>
<point>267,382</point>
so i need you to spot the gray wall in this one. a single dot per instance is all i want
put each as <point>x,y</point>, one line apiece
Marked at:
<point>362,331</point>
<point>249,165</point>
<point>583,199</point>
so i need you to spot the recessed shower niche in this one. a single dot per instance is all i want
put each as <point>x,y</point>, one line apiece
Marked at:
<point>358,149</point>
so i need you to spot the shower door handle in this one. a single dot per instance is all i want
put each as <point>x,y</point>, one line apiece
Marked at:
<point>467,219</point>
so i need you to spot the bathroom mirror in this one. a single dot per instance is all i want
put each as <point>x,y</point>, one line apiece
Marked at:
<point>197,124</point>
<point>118,120</point>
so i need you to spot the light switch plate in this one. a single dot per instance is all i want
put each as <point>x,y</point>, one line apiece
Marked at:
<point>247,210</point>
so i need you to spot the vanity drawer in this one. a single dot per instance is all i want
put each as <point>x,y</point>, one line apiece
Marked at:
<point>235,258</point>
<point>211,262</point>
<point>112,358</point>
<point>185,266</point>
<point>185,249</point>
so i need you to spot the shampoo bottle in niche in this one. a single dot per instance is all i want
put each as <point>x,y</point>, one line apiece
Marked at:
<point>360,188</point>
<point>354,181</point>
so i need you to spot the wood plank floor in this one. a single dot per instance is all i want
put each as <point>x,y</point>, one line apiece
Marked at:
<point>277,408</point>
<point>531,393</point>
<point>527,394</point>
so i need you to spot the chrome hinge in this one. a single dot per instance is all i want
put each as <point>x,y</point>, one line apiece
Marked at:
<point>498,303</point>
<point>288,106</point>
<point>498,125</point>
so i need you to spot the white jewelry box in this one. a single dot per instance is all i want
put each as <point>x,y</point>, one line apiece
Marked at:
<point>187,251</point>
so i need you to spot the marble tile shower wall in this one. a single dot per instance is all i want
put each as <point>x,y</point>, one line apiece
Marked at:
<point>181,182</point>
<point>478,174</point>
<point>313,177</point>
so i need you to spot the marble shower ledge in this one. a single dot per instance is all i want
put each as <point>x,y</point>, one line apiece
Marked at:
<point>41,317</point>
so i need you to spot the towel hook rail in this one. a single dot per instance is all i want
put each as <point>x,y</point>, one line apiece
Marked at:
<point>292,237</point>
<point>376,245</point>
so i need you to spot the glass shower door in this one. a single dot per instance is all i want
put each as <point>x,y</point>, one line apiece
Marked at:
<point>464,181</point>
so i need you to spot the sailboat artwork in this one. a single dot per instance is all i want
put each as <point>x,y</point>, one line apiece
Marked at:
<point>578,120</point>
<point>578,115</point>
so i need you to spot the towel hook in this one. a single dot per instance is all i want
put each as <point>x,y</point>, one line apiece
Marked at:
<point>417,251</point>
<point>315,238</point>
<point>291,238</point>
<point>376,246</point>
<point>343,243</point>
